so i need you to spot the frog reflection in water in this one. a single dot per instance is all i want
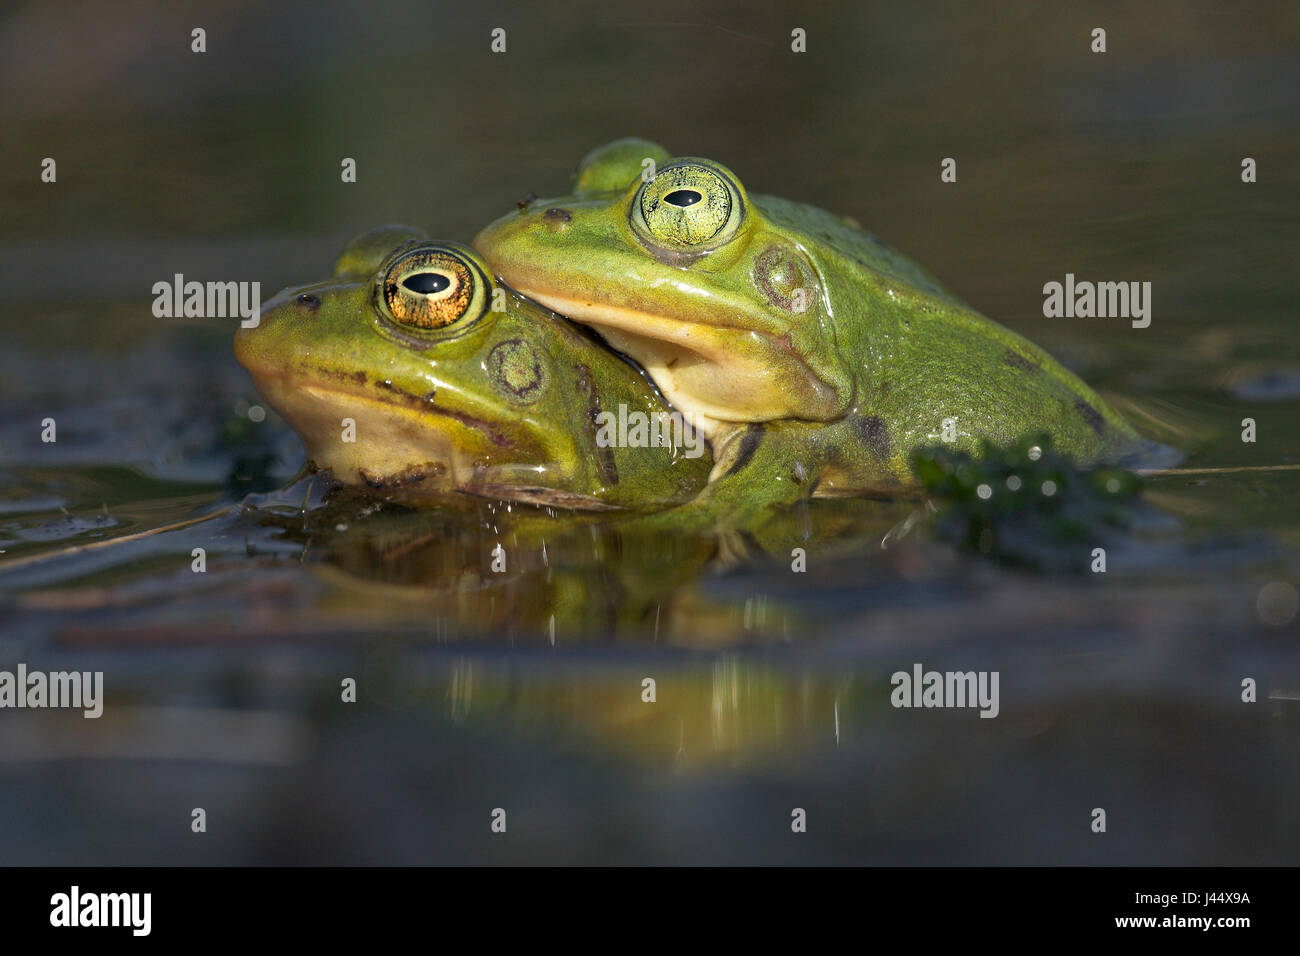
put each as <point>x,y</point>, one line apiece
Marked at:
<point>815,358</point>
<point>412,373</point>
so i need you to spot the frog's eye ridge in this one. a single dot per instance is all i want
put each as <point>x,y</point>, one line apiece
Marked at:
<point>431,288</point>
<point>689,205</point>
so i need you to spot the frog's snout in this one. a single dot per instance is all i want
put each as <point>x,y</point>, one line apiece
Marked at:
<point>290,301</point>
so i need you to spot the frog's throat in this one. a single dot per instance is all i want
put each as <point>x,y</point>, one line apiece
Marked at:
<point>390,438</point>
<point>652,340</point>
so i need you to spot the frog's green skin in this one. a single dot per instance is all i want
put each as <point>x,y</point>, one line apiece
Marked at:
<point>499,403</point>
<point>813,357</point>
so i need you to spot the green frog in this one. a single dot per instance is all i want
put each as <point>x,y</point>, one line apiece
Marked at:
<point>413,373</point>
<point>814,358</point>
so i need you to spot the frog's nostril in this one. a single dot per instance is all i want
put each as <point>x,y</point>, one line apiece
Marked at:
<point>308,302</point>
<point>557,219</point>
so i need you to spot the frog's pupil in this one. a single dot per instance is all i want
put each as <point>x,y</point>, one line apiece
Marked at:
<point>423,283</point>
<point>683,198</point>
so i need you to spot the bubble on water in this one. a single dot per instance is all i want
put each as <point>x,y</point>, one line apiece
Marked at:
<point>256,413</point>
<point>341,526</point>
<point>1277,603</point>
<point>1035,453</point>
<point>1013,482</point>
<point>984,491</point>
<point>1049,488</point>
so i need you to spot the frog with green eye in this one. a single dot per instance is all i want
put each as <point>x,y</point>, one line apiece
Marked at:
<point>815,358</point>
<point>412,373</point>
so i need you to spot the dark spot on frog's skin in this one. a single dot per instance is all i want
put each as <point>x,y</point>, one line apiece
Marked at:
<point>1090,415</point>
<point>526,201</point>
<point>557,218</point>
<point>331,373</point>
<point>605,454</point>
<point>748,445</point>
<point>874,433</point>
<point>1016,360</point>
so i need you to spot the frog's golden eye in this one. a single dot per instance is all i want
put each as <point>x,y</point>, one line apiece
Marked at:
<point>688,206</point>
<point>427,288</point>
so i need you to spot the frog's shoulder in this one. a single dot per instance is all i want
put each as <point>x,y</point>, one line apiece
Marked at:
<point>852,242</point>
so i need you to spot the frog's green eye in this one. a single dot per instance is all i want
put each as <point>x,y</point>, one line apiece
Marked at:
<point>431,289</point>
<point>688,206</point>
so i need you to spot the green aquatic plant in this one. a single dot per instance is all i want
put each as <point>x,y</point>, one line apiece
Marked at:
<point>1026,503</point>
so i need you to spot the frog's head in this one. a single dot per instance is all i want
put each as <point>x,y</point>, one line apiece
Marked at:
<point>677,268</point>
<point>412,371</point>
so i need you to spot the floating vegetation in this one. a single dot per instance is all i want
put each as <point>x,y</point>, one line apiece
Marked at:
<point>1026,504</point>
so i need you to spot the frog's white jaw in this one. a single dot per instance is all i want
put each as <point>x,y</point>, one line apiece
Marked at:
<point>673,369</point>
<point>416,456</point>
<point>365,441</point>
<point>710,384</point>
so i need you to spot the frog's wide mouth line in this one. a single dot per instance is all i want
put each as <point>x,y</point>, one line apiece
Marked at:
<point>647,324</point>
<point>286,397</point>
<point>720,350</point>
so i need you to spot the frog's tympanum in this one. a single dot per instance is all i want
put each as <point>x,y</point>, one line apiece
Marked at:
<point>813,357</point>
<point>413,373</point>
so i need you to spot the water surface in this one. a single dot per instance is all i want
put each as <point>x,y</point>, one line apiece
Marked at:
<point>524,690</point>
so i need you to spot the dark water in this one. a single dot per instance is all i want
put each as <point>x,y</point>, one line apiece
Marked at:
<point>522,691</point>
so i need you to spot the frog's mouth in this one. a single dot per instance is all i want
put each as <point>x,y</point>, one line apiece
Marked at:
<point>711,373</point>
<point>389,439</point>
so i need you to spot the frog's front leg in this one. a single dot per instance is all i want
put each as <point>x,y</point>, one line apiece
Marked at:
<point>778,463</point>
<point>754,505</point>
<point>765,474</point>
<point>760,469</point>
<point>760,473</point>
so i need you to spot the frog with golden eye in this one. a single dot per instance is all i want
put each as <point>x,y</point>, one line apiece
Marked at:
<point>413,373</point>
<point>815,358</point>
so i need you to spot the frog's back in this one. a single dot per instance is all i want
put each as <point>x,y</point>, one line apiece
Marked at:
<point>920,355</point>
